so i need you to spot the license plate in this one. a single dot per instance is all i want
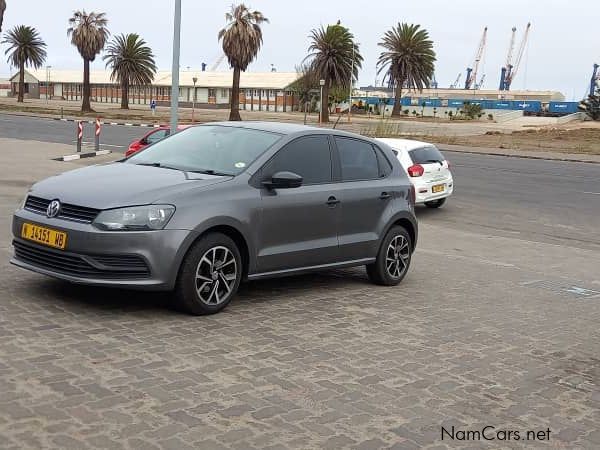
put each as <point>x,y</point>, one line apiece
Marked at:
<point>438,188</point>
<point>44,236</point>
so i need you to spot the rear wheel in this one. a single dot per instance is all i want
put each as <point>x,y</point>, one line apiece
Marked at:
<point>435,203</point>
<point>210,275</point>
<point>393,259</point>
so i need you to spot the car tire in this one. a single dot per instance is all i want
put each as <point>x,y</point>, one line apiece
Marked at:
<point>393,258</point>
<point>435,203</point>
<point>209,276</point>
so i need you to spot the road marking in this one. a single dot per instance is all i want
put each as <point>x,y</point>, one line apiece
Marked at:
<point>593,193</point>
<point>101,145</point>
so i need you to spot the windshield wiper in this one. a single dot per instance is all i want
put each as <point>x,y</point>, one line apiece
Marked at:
<point>434,161</point>
<point>162,166</point>
<point>211,172</point>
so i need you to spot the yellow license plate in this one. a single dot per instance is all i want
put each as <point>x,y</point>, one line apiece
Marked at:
<point>438,188</point>
<point>44,236</point>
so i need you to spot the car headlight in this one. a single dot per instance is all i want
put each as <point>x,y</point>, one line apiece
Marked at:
<point>135,218</point>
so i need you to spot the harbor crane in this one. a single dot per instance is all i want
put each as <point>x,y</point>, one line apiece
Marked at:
<point>595,80</point>
<point>453,85</point>
<point>509,71</point>
<point>471,79</point>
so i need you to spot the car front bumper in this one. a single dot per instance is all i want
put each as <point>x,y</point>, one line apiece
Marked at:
<point>140,260</point>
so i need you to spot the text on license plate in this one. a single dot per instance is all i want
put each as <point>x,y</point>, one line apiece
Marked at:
<point>437,188</point>
<point>43,235</point>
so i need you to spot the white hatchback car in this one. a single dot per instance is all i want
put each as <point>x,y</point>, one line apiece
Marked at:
<point>427,168</point>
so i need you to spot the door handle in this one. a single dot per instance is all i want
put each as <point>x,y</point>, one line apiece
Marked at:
<point>332,201</point>
<point>384,196</point>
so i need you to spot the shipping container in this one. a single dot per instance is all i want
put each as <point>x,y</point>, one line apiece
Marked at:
<point>532,106</point>
<point>562,107</point>
<point>502,104</point>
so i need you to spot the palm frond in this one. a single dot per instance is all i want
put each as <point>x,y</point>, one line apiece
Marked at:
<point>131,60</point>
<point>408,58</point>
<point>25,47</point>
<point>242,36</point>
<point>88,33</point>
<point>333,55</point>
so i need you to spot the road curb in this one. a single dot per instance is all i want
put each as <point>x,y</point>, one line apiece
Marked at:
<point>508,155</point>
<point>77,156</point>
<point>123,124</point>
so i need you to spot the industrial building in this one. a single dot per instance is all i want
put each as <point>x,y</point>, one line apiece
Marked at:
<point>261,91</point>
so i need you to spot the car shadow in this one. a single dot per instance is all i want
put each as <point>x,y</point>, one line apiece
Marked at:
<point>83,299</point>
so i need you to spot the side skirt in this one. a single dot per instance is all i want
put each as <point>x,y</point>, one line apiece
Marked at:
<point>301,270</point>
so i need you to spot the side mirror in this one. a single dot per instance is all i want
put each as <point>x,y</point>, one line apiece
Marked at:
<point>283,180</point>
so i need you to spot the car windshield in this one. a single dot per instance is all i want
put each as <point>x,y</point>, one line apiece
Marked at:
<point>214,149</point>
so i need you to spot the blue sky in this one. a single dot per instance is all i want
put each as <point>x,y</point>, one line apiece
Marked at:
<point>563,41</point>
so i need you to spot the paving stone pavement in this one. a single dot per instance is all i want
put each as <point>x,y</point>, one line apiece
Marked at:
<point>317,361</point>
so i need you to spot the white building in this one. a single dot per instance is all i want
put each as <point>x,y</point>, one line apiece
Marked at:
<point>266,91</point>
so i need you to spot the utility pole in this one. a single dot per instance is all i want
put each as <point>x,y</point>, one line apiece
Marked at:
<point>47,81</point>
<point>175,68</point>
<point>194,80</point>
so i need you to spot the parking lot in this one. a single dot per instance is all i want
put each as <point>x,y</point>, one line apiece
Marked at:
<point>496,325</point>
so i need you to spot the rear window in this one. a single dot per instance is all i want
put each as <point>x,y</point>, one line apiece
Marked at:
<point>426,155</point>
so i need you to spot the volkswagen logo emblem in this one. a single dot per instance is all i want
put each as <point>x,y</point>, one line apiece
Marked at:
<point>53,209</point>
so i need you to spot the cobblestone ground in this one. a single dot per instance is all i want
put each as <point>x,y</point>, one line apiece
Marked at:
<point>320,361</point>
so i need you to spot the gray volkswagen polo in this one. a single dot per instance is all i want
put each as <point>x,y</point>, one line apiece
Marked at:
<point>213,205</point>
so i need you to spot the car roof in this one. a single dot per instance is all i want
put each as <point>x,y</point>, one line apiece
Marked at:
<point>403,144</point>
<point>284,128</point>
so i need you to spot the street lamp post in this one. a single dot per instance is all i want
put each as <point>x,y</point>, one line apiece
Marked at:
<point>47,81</point>
<point>354,44</point>
<point>321,83</point>
<point>194,80</point>
<point>175,67</point>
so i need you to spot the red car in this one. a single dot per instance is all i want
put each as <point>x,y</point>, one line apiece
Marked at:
<point>151,137</point>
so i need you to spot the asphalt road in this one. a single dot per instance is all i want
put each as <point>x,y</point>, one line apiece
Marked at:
<point>539,200</point>
<point>115,138</point>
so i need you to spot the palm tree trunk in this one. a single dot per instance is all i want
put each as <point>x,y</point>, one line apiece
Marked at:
<point>85,106</point>
<point>125,95</point>
<point>21,83</point>
<point>234,101</point>
<point>397,98</point>
<point>325,102</point>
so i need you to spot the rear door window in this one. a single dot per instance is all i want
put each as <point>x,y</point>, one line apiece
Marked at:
<point>426,155</point>
<point>358,159</point>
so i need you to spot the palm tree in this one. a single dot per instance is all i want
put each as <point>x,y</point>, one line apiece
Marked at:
<point>335,58</point>
<point>2,9</point>
<point>26,48</point>
<point>242,38</point>
<point>132,63</point>
<point>89,34</point>
<point>408,59</point>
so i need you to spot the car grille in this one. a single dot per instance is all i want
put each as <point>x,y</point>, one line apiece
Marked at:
<point>114,267</point>
<point>68,212</point>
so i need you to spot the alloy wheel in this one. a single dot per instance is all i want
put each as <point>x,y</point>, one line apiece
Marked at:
<point>397,256</point>
<point>216,275</point>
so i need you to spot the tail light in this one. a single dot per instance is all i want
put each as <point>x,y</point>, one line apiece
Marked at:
<point>416,170</point>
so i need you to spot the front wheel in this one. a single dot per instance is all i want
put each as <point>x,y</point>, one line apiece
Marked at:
<point>435,203</point>
<point>393,259</point>
<point>210,275</point>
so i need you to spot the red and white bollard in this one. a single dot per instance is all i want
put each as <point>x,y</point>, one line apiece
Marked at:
<point>79,135</point>
<point>97,135</point>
